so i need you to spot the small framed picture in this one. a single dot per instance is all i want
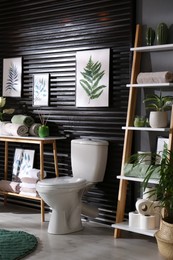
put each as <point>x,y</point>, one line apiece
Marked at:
<point>12,77</point>
<point>162,142</point>
<point>41,89</point>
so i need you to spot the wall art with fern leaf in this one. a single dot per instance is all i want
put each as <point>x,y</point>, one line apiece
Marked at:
<point>12,77</point>
<point>92,78</point>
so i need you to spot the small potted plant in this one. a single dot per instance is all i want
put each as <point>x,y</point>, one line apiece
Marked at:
<point>159,105</point>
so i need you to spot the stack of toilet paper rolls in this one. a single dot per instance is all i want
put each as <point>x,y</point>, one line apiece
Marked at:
<point>147,214</point>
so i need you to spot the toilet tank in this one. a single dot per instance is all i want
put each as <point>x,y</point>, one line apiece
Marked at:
<point>89,158</point>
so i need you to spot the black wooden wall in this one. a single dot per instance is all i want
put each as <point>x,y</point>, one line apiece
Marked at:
<point>47,34</point>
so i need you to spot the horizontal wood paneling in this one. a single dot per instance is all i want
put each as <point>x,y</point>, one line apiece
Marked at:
<point>47,34</point>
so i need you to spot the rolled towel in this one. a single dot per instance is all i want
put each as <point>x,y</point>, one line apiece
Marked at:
<point>3,131</point>
<point>155,77</point>
<point>22,119</point>
<point>16,129</point>
<point>9,186</point>
<point>33,130</point>
<point>33,173</point>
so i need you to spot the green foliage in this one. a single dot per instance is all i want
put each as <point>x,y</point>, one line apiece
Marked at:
<point>12,80</point>
<point>164,188</point>
<point>91,78</point>
<point>159,102</point>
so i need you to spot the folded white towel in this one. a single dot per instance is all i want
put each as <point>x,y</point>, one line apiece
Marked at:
<point>28,180</point>
<point>154,77</point>
<point>16,129</point>
<point>31,194</point>
<point>27,185</point>
<point>28,189</point>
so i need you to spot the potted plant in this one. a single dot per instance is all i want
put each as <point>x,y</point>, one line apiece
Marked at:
<point>164,192</point>
<point>159,105</point>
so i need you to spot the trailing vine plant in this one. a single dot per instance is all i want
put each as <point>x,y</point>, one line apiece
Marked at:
<point>92,75</point>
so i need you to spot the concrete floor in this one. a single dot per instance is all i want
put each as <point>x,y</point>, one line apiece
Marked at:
<point>94,242</point>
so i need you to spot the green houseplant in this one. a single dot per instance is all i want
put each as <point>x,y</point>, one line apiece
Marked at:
<point>159,105</point>
<point>164,192</point>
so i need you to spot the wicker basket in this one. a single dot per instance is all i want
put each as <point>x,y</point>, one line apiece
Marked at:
<point>166,231</point>
<point>165,247</point>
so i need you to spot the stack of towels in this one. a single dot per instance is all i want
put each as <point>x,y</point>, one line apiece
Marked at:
<point>20,125</point>
<point>28,182</point>
<point>26,187</point>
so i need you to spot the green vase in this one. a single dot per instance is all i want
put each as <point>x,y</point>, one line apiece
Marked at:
<point>43,131</point>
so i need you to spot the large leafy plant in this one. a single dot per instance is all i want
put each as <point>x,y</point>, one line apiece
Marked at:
<point>164,189</point>
<point>92,75</point>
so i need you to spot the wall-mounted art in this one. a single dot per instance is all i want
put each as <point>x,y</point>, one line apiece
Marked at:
<point>92,79</point>
<point>41,89</point>
<point>12,77</point>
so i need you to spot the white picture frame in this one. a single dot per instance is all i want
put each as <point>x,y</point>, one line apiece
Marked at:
<point>41,89</point>
<point>23,162</point>
<point>161,142</point>
<point>12,77</point>
<point>92,78</point>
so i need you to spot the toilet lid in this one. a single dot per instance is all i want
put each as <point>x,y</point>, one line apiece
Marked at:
<point>62,182</point>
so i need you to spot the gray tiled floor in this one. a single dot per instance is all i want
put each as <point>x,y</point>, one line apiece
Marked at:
<point>93,242</point>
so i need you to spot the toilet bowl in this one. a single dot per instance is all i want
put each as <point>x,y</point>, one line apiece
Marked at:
<point>64,194</point>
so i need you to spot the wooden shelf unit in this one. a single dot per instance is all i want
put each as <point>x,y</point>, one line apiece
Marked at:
<point>30,140</point>
<point>129,129</point>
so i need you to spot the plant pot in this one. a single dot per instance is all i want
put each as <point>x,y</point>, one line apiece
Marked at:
<point>158,119</point>
<point>164,239</point>
<point>43,131</point>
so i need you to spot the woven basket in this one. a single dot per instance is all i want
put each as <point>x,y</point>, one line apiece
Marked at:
<point>165,247</point>
<point>166,231</point>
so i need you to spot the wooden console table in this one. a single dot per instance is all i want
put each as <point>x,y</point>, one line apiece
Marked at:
<point>31,140</point>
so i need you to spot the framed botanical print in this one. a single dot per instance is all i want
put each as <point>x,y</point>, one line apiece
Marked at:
<point>12,77</point>
<point>92,79</point>
<point>41,89</point>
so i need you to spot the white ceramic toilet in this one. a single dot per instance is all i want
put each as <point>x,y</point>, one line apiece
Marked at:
<point>63,194</point>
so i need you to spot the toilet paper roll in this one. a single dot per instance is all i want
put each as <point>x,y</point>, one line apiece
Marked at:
<point>144,207</point>
<point>134,219</point>
<point>156,211</point>
<point>147,222</point>
<point>147,194</point>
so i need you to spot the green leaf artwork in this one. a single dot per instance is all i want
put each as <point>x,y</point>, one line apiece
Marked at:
<point>13,78</point>
<point>92,75</point>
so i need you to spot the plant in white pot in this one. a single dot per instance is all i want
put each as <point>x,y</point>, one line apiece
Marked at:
<point>159,105</point>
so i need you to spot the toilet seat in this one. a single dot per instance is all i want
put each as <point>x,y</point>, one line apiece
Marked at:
<point>62,182</point>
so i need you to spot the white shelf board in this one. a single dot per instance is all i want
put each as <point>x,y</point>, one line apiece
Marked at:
<point>150,85</point>
<point>163,47</point>
<point>125,226</point>
<point>128,178</point>
<point>146,128</point>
